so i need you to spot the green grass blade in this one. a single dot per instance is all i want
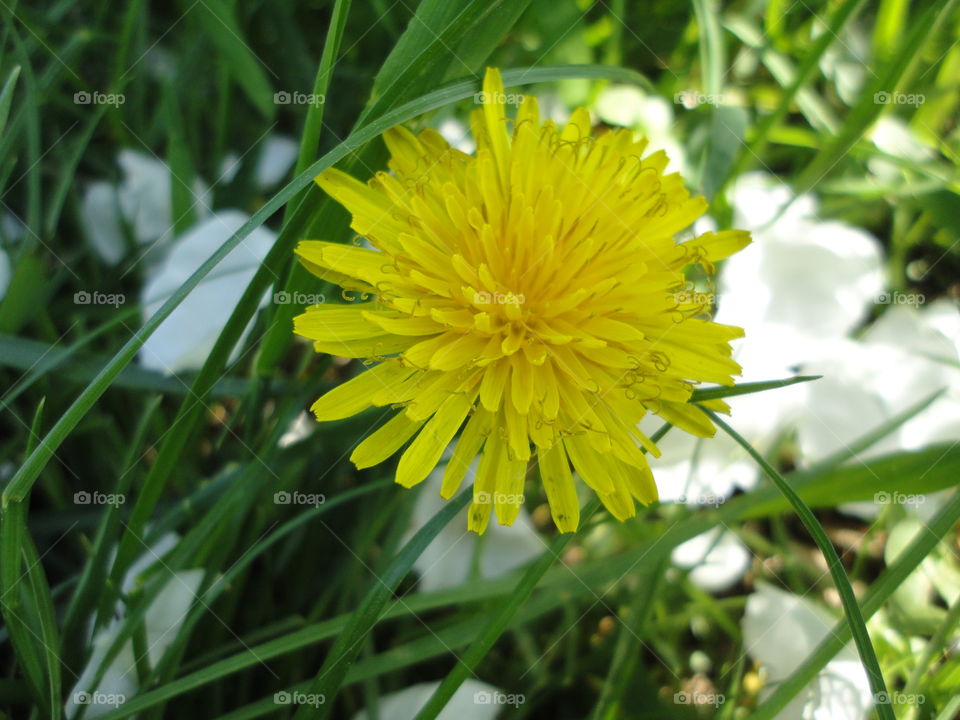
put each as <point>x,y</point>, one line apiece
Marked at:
<point>838,19</point>
<point>908,561</point>
<point>331,676</point>
<point>498,624</point>
<point>711,46</point>
<point>715,393</point>
<point>851,609</point>
<point>867,109</point>
<point>220,25</point>
<point>880,479</point>
<point>6,96</point>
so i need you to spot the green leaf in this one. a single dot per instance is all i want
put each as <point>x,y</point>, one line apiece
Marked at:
<point>727,127</point>
<point>866,110</point>
<point>712,64</point>
<point>835,24</point>
<point>887,479</point>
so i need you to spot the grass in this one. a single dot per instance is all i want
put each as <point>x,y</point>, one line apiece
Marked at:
<point>322,600</point>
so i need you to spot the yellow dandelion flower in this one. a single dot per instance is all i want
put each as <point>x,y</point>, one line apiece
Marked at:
<point>530,297</point>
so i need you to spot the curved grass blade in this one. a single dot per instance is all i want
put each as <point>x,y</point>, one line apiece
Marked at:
<point>851,609</point>
<point>879,592</point>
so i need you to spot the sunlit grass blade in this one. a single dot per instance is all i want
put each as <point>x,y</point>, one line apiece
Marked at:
<point>868,108</point>
<point>760,136</point>
<point>6,96</point>
<point>714,393</point>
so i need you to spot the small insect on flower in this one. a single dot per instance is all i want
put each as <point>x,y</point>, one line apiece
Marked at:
<point>532,295</point>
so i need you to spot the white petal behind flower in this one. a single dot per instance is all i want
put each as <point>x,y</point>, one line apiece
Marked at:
<point>277,156</point>
<point>301,428</point>
<point>800,286</point>
<point>698,471</point>
<point>145,198</point>
<point>161,622</point>
<point>141,202</point>
<point>845,62</point>
<point>100,216</point>
<point>186,337</point>
<point>780,630</point>
<point>458,135</point>
<point>894,137</point>
<point>717,559</point>
<point>229,167</point>
<point>819,278</point>
<point>650,115</point>
<point>901,359</point>
<point>471,701</point>
<point>758,199</point>
<point>447,561</point>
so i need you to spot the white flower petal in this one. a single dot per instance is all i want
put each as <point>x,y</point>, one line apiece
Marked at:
<point>458,135</point>
<point>185,338</point>
<point>779,631</point>
<point>718,559</point>
<point>162,621</point>
<point>758,198</point>
<point>448,559</point>
<point>473,700</point>
<point>278,155</point>
<point>100,215</point>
